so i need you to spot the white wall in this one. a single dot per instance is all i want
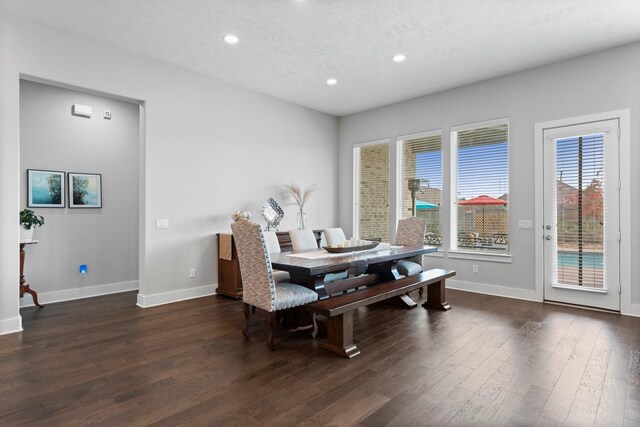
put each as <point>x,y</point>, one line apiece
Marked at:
<point>210,148</point>
<point>105,239</point>
<point>601,82</point>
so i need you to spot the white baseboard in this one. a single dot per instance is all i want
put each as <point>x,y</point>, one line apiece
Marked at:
<point>635,310</point>
<point>79,293</point>
<point>10,326</point>
<point>499,291</point>
<point>146,301</point>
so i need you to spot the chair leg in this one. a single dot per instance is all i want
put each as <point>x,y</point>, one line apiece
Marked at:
<point>246,308</point>
<point>272,333</point>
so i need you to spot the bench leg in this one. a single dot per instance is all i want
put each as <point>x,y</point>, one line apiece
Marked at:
<point>436,297</point>
<point>340,336</point>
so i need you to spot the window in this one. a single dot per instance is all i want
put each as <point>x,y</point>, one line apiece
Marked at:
<point>371,191</point>
<point>420,181</point>
<point>480,187</point>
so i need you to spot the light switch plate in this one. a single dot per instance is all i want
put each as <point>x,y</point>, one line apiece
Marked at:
<point>525,224</point>
<point>81,110</point>
<point>162,223</point>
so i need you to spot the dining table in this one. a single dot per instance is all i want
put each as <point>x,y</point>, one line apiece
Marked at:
<point>309,267</point>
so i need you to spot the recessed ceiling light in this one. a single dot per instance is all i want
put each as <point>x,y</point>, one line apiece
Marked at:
<point>231,39</point>
<point>399,57</point>
<point>331,82</point>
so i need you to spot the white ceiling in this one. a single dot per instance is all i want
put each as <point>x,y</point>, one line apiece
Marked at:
<point>288,48</point>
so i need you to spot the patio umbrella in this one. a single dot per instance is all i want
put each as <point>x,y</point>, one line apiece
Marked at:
<point>423,206</point>
<point>483,201</point>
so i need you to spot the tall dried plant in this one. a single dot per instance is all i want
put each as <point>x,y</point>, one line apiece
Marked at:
<point>301,196</point>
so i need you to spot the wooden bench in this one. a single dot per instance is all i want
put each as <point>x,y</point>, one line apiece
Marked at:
<point>339,309</point>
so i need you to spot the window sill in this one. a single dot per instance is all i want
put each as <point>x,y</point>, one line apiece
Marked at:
<point>479,257</point>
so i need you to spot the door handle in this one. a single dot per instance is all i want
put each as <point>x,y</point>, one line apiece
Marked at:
<point>547,237</point>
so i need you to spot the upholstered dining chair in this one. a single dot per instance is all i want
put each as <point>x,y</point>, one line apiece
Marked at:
<point>334,236</point>
<point>306,239</point>
<point>411,233</point>
<point>303,239</point>
<point>273,246</point>
<point>259,286</point>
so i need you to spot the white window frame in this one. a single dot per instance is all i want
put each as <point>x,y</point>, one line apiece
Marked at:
<point>453,251</point>
<point>400,140</point>
<point>356,180</point>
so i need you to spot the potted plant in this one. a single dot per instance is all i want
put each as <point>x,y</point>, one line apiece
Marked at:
<point>28,222</point>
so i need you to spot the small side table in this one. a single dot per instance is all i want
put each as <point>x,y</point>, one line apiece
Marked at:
<point>24,288</point>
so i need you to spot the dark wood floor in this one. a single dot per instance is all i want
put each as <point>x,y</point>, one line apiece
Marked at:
<point>488,361</point>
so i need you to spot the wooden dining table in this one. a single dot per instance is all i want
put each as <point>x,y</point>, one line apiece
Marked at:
<point>309,268</point>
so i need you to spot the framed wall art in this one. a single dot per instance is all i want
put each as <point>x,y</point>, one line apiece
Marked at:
<point>45,189</point>
<point>85,190</point>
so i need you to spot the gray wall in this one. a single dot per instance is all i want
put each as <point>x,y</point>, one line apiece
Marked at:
<point>105,239</point>
<point>601,82</point>
<point>209,149</point>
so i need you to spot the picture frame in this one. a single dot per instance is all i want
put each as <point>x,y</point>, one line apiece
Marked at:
<point>84,190</point>
<point>45,188</point>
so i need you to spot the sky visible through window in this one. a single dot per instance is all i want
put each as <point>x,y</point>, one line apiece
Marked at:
<point>482,170</point>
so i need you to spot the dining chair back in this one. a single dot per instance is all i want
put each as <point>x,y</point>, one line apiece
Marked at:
<point>411,233</point>
<point>334,236</point>
<point>306,239</point>
<point>271,239</point>
<point>303,239</point>
<point>259,287</point>
<point>273,247</point>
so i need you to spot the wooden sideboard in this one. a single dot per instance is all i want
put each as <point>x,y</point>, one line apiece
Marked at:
<point>229,279</point>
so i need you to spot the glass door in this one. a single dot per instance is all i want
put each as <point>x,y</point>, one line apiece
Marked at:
<point>581,215</point>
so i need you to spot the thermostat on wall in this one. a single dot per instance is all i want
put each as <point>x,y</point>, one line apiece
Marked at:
<point>107,114</point>
<point>81,110</point>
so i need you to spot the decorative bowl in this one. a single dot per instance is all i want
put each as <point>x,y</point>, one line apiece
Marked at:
<point>344,249</point>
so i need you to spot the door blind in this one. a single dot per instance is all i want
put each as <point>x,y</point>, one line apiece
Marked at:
<point>580,211</point>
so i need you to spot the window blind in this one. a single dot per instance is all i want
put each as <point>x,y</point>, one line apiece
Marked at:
<point>580,210</point>
<point>373,192</point>
<point>422,160</point>
<point>480,219</point>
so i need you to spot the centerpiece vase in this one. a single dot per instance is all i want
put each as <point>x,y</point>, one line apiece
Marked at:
<point>302,220</point>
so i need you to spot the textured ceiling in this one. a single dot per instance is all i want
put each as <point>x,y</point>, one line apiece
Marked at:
<point>289,48</point>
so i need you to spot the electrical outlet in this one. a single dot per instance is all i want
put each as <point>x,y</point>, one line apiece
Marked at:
<point>475,268</point>
<point>192,273</point>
